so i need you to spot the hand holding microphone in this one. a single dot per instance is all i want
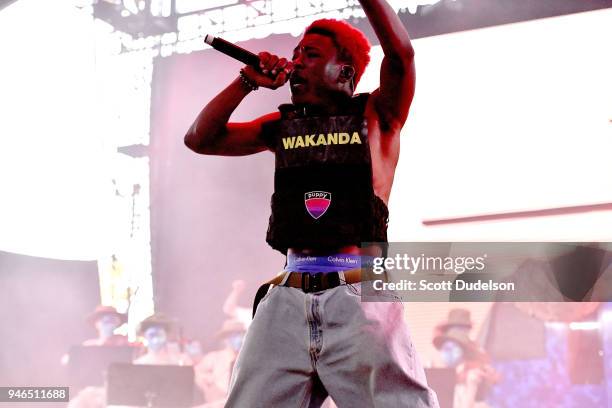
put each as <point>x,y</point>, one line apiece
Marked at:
<point>264,69</point>
<point>273,72</point>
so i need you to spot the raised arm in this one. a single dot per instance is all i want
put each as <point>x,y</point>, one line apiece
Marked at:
<point>211,132</point>
<point>397,74</point>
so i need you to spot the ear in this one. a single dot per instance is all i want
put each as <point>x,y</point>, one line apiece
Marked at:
<point>347,72</point>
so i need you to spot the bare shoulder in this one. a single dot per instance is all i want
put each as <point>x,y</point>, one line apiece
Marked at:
<point>262,128</point>
<point>255,127</point>
<point>270,117</point>
<point>261,124</point>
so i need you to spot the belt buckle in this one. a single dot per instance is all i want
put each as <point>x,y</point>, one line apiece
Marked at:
<point>312,283</point>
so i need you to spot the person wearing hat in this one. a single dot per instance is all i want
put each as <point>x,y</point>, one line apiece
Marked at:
<point>214,371</point>
<point>106,319</point>
<point>459,351</point>
<point>457,348</point>
<point>459,318</point>
<point>156,331</point>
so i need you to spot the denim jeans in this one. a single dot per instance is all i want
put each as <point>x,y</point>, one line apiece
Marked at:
<point>303,346</point>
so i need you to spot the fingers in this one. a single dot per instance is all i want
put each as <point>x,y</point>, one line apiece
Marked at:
<point>273,71</point>
<point>258,78</point>
<point>264,57</point>
<point>279,66</point>
<point>267,62</point>
<point>280,79</point>
<point>289,67</point>
<point>272,64</point>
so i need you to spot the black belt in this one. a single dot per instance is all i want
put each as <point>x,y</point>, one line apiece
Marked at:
<point>308,282</point>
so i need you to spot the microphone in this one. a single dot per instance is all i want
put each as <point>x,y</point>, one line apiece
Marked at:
<point>232,50</point>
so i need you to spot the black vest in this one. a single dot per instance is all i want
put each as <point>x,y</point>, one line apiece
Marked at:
<point>323,195</point>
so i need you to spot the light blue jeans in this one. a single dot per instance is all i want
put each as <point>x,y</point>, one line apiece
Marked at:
<point>303,346</point>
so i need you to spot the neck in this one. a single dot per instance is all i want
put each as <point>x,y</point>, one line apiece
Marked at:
<point>332,104</point>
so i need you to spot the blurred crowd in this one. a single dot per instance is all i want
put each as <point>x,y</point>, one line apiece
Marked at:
<point>161,344</point>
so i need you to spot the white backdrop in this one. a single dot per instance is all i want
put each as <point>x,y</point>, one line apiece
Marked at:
<point>508,118</point>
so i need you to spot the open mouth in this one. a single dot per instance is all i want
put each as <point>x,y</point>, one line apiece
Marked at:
<point>297,82</point>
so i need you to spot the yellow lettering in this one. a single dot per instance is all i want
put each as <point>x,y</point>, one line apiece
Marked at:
<point>310,140</point>
<point>332,138</point>
<point>288,142</point>
<point>294,142</point>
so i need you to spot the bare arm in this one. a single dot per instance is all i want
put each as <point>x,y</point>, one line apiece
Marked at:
<point>231,302</point>
<point>397,74</point>
<point>211,132</point>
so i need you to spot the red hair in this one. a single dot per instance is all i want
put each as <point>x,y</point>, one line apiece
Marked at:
<point>352,44</point>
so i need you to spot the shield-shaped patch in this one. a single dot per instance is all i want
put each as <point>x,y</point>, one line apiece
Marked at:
<point>317,203</point>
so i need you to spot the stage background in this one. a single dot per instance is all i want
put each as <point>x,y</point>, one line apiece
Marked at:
<point>504,119</point>
<point>43,307</point>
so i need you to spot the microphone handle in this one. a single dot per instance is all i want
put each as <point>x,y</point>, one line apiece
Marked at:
<point>232,50</point>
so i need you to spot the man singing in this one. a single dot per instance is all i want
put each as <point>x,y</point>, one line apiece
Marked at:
<point>336,155</point>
